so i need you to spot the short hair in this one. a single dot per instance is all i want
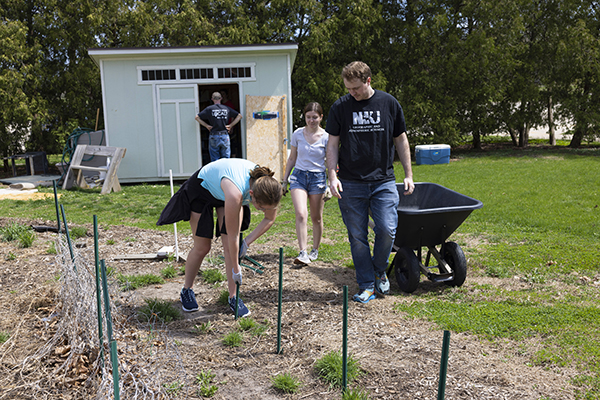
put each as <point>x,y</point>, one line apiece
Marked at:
<point>313,106</point>
<point>356,70</point>
<point>216,96</point>
<point>267,190</point>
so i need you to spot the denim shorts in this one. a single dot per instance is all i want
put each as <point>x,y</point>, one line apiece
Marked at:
<point>311,182</point>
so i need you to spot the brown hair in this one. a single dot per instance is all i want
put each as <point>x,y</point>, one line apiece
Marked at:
<point>313,106</point>
<point>267,191</point>
<point>356,70</point>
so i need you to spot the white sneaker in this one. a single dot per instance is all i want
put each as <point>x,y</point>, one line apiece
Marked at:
<point>314,254</point>
<point>302,258</point>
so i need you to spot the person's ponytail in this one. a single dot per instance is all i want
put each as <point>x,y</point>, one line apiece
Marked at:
<point>267,191</point>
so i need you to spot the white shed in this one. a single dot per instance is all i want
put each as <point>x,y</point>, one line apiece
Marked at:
<point>151,96</point>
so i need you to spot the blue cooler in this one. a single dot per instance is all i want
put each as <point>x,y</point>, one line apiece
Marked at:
<point>432,154</point>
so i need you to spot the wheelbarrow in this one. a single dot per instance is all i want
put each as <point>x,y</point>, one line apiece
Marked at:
<point>427,218</point>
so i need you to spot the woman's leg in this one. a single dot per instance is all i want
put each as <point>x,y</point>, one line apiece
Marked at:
<point>229,263</point>
<point>299,197</point>
<point>197,254</point>
<point>316,215</point>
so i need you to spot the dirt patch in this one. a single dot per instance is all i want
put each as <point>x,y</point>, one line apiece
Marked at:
<point>401,356</point>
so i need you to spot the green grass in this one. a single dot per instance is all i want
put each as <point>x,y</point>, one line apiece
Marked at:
<point>329,368</point>
<point>213,275</point>
<point>539,225</point>
<point>233,339</point>
<point>133,282</point>
<point>4,336</point>
<point>286,383</point>
<point>156,310</point>
<point>174,387</point>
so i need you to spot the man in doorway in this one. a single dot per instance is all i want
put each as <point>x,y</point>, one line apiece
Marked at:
<point>364,126</point>
<point>217,115</point>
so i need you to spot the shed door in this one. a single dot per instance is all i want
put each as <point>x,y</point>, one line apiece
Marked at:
<point>178,132</point>
<point>266,127</point>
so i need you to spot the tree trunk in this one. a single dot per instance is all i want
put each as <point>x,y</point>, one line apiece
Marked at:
<point>513,136</point>
<point>551,132</point>
<point>524,135</point>
<point>476,140</point>
<point>577,136</point>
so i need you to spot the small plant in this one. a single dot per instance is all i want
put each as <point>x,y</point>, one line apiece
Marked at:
<point>132,282</point>
<point>11,256</point>
<point>130,239</point>
<point>110,242</point>
<point>203,328</point>
<point>355,394</point>
<point>205,379</point>
<point>233,339</point>
<point>247,324</point>
<point>168,272</point>
<point>329,368</point>
<point>12,232</point>
<point>77,232</point>
<point>51,248</point>
<point>4,336</point>
<point>174,387</point>
<point>286,383</point>
<point>26,239</point>
<point>158,311</point>
<point>213,276</point>
<point>224,298</point>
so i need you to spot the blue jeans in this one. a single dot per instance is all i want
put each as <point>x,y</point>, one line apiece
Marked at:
<point>219,146</point>
<point>310,182</point>
<point>382,200</point>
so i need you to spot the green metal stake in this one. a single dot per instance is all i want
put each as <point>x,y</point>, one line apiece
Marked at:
<point>113,344</point>
<point>345,342</point>
<point>62,210</point>
<point>98,289</point>
<point>279,351</point>
<point>237,298</point>
<point>444,366</point>
<point>56,205</point>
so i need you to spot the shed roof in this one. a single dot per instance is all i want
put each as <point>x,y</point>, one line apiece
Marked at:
<point>98,54</point>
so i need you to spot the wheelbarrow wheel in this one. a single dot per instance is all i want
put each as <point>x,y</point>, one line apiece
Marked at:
<point>407,269</point>
<point>455,257</point>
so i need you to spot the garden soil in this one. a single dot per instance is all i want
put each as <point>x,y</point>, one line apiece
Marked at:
<point>400,355</point>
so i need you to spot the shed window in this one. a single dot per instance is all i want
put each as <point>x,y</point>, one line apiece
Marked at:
<point>196,73</point>
<point>235,72</point>
<point>158,75</point>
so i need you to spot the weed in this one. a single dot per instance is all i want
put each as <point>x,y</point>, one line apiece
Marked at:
<point>203,328</point>
<point>224,298</point>
<point>132,282</point>
<point>247,323</point>
<point>110,242</point>
<point>76,232</point>
<point>158,311</point>
<point>286,383</point>
<point>173,387</point>
<point>13,231</point>
<point>11,256</point>
<point>355,394</point>
<point>233,339</point>
<point>205,379</point>
<point>130,239</point>
<point>330,366</point>
<point>26,239</point>
<point>213,276</point>
<point>51,248</point>
<point>168,272</point>
<point>4,336</point>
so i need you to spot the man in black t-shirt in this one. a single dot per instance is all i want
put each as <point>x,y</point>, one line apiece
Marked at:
<point>217,115</point>
<point>364,127</point>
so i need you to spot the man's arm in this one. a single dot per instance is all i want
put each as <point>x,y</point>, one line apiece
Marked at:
<point>235,121</point>
<point>332,159</point>
<point>204,124</point>
<point>403,149</point>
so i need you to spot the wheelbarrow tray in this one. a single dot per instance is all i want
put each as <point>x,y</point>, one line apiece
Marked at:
<point>430,215</point>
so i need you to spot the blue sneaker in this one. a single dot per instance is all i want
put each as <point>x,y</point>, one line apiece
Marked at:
<point>242,309</point>
<point>188,300</point>
<point>365,296</point>
<point>382,284</point>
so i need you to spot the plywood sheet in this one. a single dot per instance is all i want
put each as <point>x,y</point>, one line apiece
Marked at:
<point>266,125</point>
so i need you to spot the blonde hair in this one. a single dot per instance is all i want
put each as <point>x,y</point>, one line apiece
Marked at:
<point>267,190</point>
<point>356,70</point>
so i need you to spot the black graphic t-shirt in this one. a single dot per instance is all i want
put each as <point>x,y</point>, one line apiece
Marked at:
<point>217,116</point>
<point>367,130</point>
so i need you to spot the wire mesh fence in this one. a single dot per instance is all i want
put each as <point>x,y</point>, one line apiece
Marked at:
<point>75,362</point>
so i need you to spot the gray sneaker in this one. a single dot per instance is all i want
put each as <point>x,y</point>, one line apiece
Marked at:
<point>382,284</point>
<point>302,258</point>
<point>314,254</point>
